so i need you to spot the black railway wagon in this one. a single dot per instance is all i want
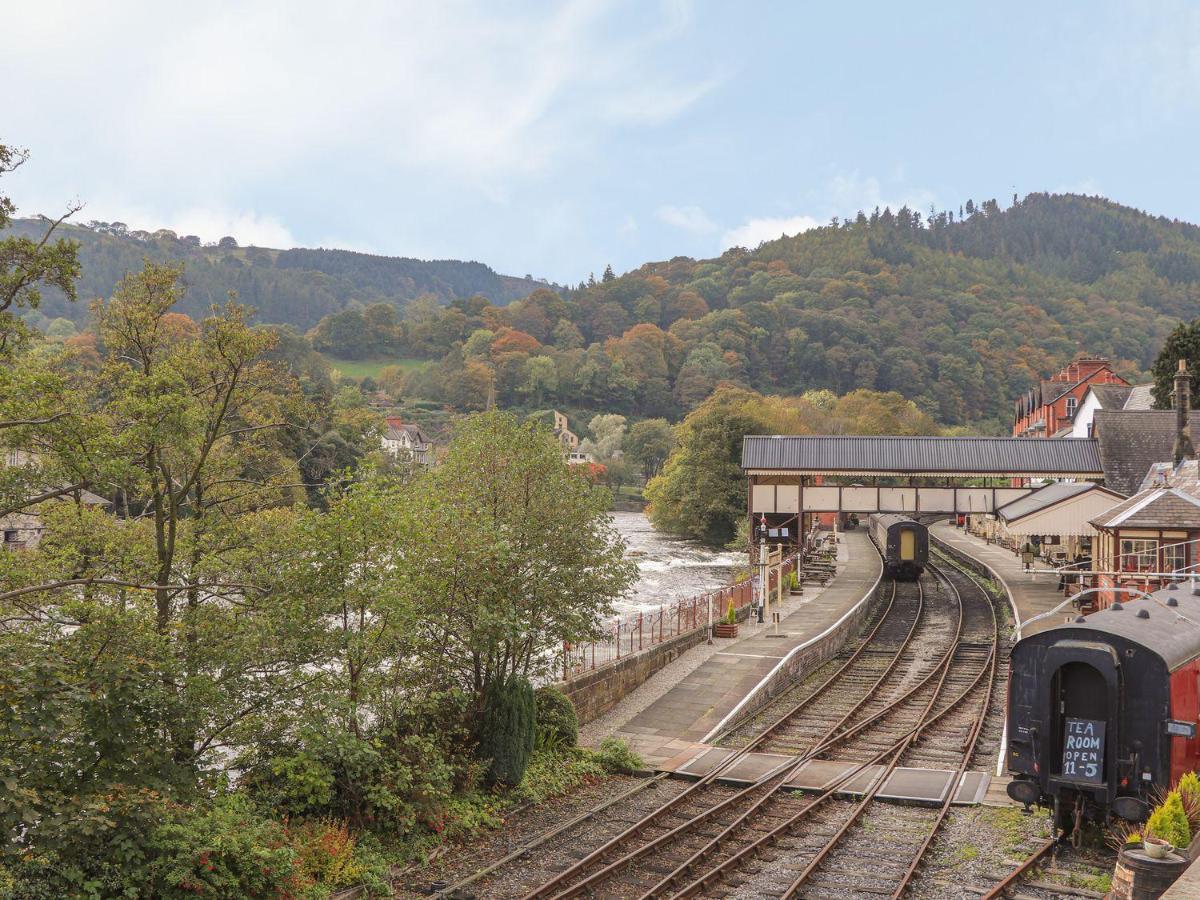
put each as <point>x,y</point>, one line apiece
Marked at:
<point>1102,711</point>
<point>903,542</point>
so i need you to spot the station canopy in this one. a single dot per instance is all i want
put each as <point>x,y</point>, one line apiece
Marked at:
<point>964,457</point>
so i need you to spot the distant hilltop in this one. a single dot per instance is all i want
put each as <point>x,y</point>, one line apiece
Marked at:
<point>295,287</point>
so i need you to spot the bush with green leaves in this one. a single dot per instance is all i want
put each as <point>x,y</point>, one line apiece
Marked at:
<point>1168,822</point>
<point>135,843</point>
<point>366,781</point>
<point>556,716</point>
<point>616,756</point>
<point>507,730</point>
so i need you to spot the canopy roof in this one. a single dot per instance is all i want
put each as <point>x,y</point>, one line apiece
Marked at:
<point>951,456</point>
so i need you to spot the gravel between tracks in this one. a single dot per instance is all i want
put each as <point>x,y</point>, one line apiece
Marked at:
<point>976,847</point>
<point>521,876</point>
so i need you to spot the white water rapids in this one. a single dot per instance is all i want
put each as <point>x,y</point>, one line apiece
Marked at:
<point>669,569</point>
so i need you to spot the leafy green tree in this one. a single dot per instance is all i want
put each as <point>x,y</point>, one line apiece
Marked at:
<point>648,444</point>
<point>1182,343</point>
<point>607,435</point>
<point>541,378</point>
<point>701,492</point>
<point>511,553</point>
<point>344,568</point>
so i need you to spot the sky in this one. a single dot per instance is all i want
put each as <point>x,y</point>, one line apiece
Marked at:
<point>552,139</point>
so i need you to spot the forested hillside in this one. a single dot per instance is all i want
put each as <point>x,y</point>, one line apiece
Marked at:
<point>296,287</point>
<point>959,312</point>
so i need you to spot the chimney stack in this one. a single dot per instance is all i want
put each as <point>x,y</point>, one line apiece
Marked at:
<point>1183,402</point>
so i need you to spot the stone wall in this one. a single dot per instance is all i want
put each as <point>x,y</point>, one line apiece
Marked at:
<point>596,692</point>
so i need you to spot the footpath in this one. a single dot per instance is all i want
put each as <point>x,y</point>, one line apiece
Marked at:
<point>712,682</point>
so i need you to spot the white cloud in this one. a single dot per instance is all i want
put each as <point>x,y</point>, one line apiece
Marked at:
<point>243,91</point>
<point>850,192</point>
<point>754,231</point>
<point>688,218</point>
<point>247,227</point>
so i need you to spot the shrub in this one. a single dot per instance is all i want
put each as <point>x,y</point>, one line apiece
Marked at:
<point>614,754</point>
<point>134,843</point>
<point>1168,822</point>
<point>1189,784</point>
<point>556,715</point>
<point>507,730</point>
<point>329,854</point>
<point>225,850</point>
<point>731,613</point>
<point>367,781</point>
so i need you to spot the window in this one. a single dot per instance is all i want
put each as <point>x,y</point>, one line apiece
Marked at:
<point>1139,555</point>
<point>1071,404</point>
<point>1174,557</point>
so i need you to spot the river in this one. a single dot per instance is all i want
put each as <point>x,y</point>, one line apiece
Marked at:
<point>669,569</point>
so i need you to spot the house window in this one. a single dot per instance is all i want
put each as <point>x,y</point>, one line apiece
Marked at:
<point>1071,404</point>
<point>1138,555</point>
<point>1174,557</point>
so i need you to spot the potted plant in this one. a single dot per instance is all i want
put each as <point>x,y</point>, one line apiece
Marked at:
<point>1156,848</point>
<point>728,628</point>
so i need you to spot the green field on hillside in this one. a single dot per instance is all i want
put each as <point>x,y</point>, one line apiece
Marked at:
<point>362,368</point>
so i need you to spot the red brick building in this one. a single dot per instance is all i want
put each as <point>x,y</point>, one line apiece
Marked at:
<point>1048,410</point>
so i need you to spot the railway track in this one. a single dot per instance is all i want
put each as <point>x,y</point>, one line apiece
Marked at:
<point>914,691</point>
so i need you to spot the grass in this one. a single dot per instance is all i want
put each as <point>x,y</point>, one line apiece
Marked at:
<point>362,368</point>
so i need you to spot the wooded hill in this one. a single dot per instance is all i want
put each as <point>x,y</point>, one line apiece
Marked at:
<point>960,311</point>
<point>296,286</point>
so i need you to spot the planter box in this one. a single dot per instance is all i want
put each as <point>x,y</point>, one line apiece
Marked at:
<point>725,630</point>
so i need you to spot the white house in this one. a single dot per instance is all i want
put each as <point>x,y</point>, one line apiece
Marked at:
<point>406,441</point>
<point>1110,397</point>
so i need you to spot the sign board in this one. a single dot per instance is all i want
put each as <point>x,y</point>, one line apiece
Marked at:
<point>1083,749</point>
<point>1176,728</point>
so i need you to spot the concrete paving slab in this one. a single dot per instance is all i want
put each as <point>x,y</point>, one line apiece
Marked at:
<point>972,788</point>
<point>817,775</point>
<point>923,786</point>
<point>753,766</point>
<point>703,762</point>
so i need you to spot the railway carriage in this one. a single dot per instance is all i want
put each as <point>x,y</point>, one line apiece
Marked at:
<point>1102,712</point>
<point>903,543</point>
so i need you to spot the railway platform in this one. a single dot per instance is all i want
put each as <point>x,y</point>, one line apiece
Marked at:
<point>679,721</point>
<point>1031,594</point>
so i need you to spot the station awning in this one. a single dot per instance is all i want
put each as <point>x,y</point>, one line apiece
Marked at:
<point>921,456</point>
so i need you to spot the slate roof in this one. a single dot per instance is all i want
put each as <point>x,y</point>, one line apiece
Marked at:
<point>1165,507</point>
<point>1131,441</point>
<point>1043,498</point>
<point>1111,396</point>
<point>922,455</point>
<point>1140,397</point>
<point>414,432</point>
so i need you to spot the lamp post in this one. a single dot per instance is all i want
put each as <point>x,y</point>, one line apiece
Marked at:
<point>761,594</point>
